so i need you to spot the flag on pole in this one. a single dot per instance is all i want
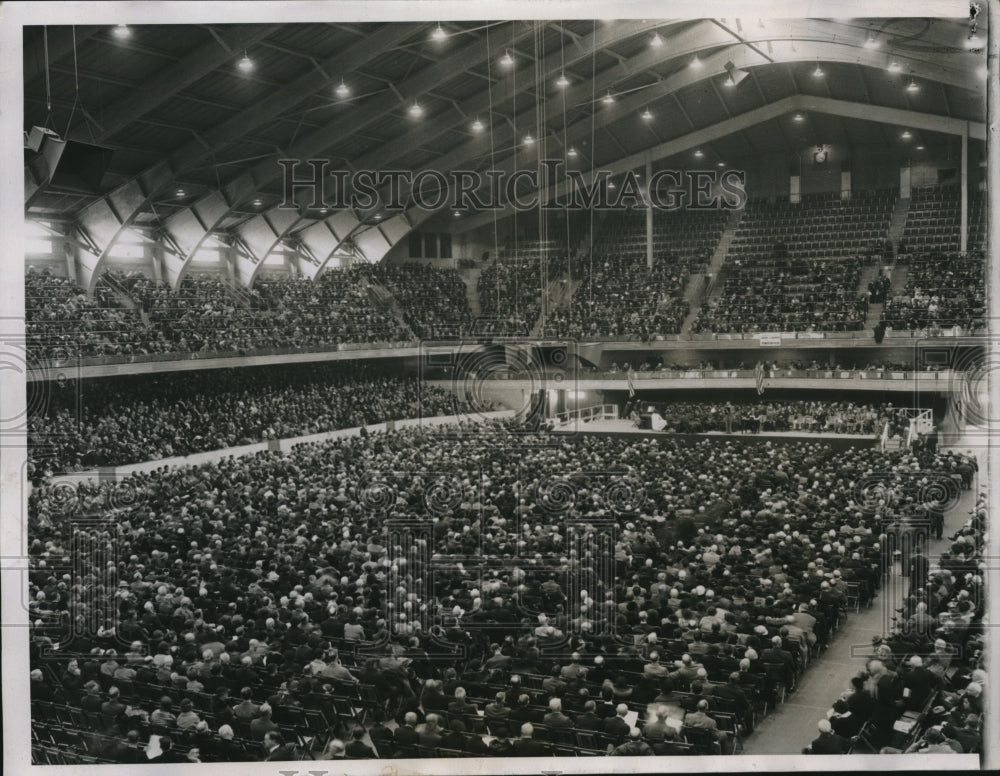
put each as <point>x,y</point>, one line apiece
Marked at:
<point>758,373</point>
<point>631,387</point>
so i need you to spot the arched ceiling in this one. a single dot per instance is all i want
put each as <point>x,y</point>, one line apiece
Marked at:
<point>197,140</point>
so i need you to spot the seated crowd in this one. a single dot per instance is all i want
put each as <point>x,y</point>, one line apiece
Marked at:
<point>620,297</point>
<point>510,291</point>
<point>166,415</point>
<point>785,294</point>
<point>61,322</point>
<point>434,592</point>
<point>942,291</point>
<point>922,690</point>
<point>841,417</point>
<point>433,301</point>
<point>205,315</point>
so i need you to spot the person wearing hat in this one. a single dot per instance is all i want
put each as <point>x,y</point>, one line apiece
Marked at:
<point>828,742</point>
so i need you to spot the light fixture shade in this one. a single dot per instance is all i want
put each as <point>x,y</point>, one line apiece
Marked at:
<point>342,90</point>
<point>122,31</point>
<point>571,151</point>
<point>646,115</point>
<point>913,86</point>
<point>608,99</point>
<point>895,67</point>
<point>656,40</point>
<point>818,72</point>
<point>439,33</point>
<point>696,64</point>
<point>735,74</point>
<point>245,64</point>
<point>562,80</point>
<point>416,110</point>
<point>506,60</point>
<point>477,126</point>
<point>529,140</point>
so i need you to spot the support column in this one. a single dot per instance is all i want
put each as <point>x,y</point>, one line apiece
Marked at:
<point>649,216</point>
<point>965,191</point>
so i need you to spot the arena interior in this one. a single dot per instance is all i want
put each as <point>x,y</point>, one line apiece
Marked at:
<point>317,477</point>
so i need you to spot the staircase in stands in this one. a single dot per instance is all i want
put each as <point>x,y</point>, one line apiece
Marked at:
<point>699,291</point>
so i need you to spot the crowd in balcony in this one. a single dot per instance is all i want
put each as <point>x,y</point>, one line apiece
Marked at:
<point>131,315</point>
<point>785,294</point>
<point>266,608</point>
<point>620,297</point>
<point>942,292</point>
<point>433,301</point>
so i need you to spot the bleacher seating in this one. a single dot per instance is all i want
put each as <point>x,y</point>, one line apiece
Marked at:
<point>933,221</point>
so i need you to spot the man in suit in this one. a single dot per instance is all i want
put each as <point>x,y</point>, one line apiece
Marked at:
<point>555,718</point>
<point>775,654</point>
<point>357,749</point>
<point>828,742</point>
<point>616,728</point>
<point>167,753</point>
<point>431,732</point>
<point>496,714</point>
<point>112,709</point>
<point>635,746</point>
<point>276,749</point>
<point>523,712</point>
<point>526,746</point>
<point>886,691</point>
<point>732,692</point>
<point>406,734</point>
<point>919,683</point>
<point>589,720</point>
<point>654,669</point>
<point>128,750</point>
<point>460,707</point>
<point>656,728</point>
<point>263,724</point>
<point>700,719</point>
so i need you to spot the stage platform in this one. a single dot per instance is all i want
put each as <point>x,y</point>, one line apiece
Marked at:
<point>622,427</point>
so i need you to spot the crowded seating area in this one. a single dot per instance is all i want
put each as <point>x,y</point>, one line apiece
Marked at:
<point>206,314</point>
<point>943,291</point>
<point>270,607</point>
<point>433,301</point>
<point>510,291</point>
<point>813,416</point>
<point>620,297</point>
<point>786,294</point>
<point>922,688</point>
<point>161,416</point>
<point>61,322</point>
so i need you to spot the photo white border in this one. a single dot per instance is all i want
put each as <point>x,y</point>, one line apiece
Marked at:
<point>16,718</point>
